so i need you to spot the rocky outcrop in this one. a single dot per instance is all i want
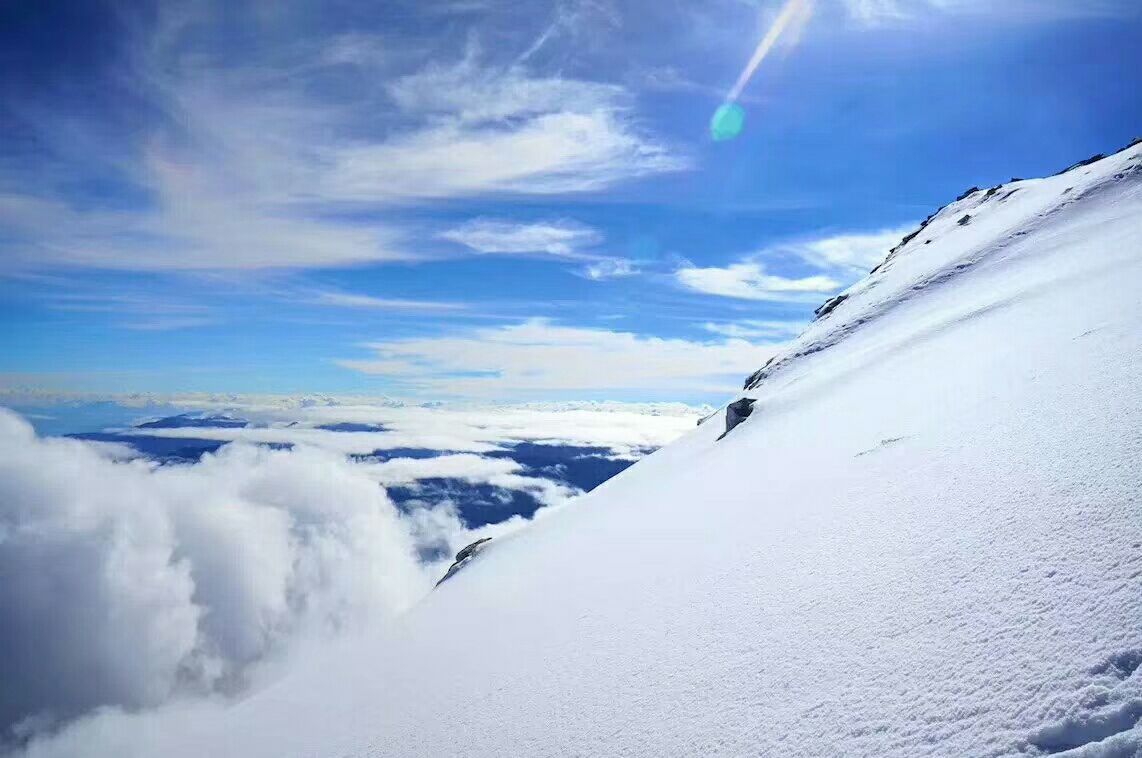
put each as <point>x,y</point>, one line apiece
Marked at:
<point>1093,159</point>
<point>466,554</point>
<point>829,306</point>
<point>758,375</point>
<point>737,412</point>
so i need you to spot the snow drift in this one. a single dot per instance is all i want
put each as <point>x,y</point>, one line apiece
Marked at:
<point>925,539</point>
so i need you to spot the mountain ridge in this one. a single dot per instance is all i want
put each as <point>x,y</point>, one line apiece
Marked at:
<point>924,540</point>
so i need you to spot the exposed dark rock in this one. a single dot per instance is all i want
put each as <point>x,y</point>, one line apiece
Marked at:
<point>755,377</point>
<point>1093,159</point>
<point>991,192</point>
<point>965,220</point>
<point>467,552</point>
<point>737,412</point>
<point>462,557</point>
<point>909,237</point>
<point>967,193</point>
<point>829,306</point>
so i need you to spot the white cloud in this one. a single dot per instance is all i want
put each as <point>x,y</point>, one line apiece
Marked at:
<point>184,579</point>
<point>537,355</point>
<point>623,428</point>
<point>130,585</point>
<point>246,161</point>
<point>610,268</point>
<point>749,281</point>
<point>142,312</point>
<point>189,580</point>
<point>755,329</point>
<point>861,250</point>
<point>877,12</point>
<point>196,228</point>
<point>671,79</point>
<point>357,49</point>
<point>474,469</point>
<point>469,93</point>
<point>126,584</point>
<point>559,239</point>
<point>550,153</point>
<point>466,466</point>
<point>562,239</point>
<point>170,323</point>
<point>356,300</point>
<point>839,260</point>
<point>577,25</point>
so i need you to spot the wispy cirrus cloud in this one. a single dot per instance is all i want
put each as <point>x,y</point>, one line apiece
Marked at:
<point>194,230</point>
<point>879,12</point>
<point>169,323</point>
<point>560,238</point>
<point>754,329</point>
<point>540,356</point>
<point>247,162</point>
<point>575,25</point>
<point>340,299</point>
<point>471,93</point>
<point>141,313</point>
<point>549,153</point>
<point>610,268</point>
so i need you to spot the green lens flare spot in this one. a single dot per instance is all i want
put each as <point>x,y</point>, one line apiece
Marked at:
<point>727,122</point>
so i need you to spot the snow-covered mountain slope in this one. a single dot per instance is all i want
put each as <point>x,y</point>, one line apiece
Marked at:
<point>926,539</point>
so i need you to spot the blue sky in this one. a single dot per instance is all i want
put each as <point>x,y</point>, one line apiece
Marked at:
<point>504,200</point>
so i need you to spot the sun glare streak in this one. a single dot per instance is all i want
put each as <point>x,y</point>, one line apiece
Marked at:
<point>796,13</point>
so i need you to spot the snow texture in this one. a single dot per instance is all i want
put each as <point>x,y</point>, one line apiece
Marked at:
<point>925,541</point>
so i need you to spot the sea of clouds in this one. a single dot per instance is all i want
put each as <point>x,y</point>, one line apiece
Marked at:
<point>126,583</point>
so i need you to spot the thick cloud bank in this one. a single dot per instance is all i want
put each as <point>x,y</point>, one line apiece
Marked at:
<point>124,583</point>
<point>134,576</point>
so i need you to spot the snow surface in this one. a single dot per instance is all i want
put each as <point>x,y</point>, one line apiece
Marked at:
<point>926,540</point>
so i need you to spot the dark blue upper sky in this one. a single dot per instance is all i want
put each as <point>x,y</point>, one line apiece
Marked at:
<point>499,198</point>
